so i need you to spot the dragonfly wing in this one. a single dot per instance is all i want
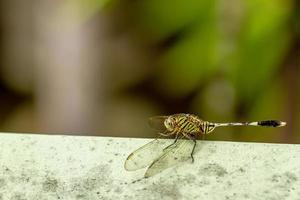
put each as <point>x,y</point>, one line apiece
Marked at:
<point>145,155</point>
<point>177,153</point>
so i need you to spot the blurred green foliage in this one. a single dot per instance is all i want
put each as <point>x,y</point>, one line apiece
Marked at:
<point>258,48</point>
<point>193,57</point>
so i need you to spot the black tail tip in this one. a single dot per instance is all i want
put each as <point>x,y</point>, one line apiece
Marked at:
<point>272,123</point>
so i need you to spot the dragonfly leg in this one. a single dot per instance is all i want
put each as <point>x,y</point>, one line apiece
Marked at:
<point>192,137</point>
<point>176,138</point>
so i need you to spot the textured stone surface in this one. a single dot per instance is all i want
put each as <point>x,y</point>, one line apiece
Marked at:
<point>37,167</point>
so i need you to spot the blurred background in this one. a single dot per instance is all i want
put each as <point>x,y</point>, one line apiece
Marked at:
<point>102,67</point>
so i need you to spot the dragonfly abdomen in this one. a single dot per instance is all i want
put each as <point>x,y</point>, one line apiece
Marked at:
<point>206,127</point>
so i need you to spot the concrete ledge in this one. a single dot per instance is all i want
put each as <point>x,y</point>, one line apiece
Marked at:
<point>37,167</point>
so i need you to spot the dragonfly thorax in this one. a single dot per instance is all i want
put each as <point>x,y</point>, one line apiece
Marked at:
<point>182,123</point>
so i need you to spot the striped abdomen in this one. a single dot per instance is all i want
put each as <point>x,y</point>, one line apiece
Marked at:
<point>206,127</point>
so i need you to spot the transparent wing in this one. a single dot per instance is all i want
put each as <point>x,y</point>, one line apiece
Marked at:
<point>177,153</point>
<point>157,123</point>
<point>145,155</point>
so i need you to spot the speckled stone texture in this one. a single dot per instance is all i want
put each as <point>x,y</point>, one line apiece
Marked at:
<point>40,167</point>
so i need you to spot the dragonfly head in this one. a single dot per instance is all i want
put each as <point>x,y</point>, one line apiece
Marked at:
<point>170,123</point>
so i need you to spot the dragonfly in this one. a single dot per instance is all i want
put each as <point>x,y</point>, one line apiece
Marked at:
<point>160,154</point>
